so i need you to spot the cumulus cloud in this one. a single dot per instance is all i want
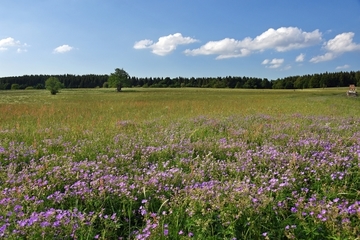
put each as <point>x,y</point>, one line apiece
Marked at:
<point>165,45</point>
<point>146,43</point>
<point>335,47</point>
<point>274,63</point>
<point>9,42</point>
<point>342,67</point>
<point>300,58</point>
<point>281,39</point>
<point>226,48</point>
<point>63,49</point>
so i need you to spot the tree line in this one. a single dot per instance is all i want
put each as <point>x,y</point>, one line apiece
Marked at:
<point>321,80</point>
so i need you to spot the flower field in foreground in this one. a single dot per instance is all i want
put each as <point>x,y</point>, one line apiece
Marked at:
<point>253,177</point>
<point>179,164</point>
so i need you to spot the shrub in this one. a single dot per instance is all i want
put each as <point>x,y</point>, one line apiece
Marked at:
<point>53,85</point>
<point>15,86</point>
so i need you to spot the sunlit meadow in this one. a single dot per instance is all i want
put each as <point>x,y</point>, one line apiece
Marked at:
<point>179,164</point>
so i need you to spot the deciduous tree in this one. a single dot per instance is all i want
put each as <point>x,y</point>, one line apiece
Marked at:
<point>53,85</point>
<point>119,79</point>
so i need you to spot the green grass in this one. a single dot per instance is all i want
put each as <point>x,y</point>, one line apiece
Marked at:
<point>215,163</point>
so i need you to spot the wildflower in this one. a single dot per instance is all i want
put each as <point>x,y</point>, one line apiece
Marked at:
<point>142,211</point>
<point>181,232</point>
<point>44,224</point>
<point>293,210</point>
<point>17,208</point>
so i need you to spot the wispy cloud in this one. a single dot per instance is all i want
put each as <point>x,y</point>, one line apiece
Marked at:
<point>274,63</point>
<point>337,46</point>
<point>300,58</point>
<point>282,39</point>
<point>342,67</point>
<point>165,45</point>
<point>63,49</point>
<point>7,43</point>
<point>21,50</point>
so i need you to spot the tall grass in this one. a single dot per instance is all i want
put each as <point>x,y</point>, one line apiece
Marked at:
<point>179,164</point>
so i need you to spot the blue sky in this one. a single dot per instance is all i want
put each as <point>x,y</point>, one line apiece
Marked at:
<point>171,38</point>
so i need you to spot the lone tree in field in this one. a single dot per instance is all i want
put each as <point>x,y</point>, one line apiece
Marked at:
<point>53,85</point>
<point>119,79</point>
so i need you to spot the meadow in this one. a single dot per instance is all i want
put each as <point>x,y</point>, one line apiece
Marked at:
<point>179,164</point>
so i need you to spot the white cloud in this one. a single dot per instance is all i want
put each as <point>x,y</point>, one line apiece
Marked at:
<point>165,44</point>
<point>281,39</point>
<point>300,58</point>
<point>146,43</point>
<point>286,67</point>
<point>335,47</point>
<point>322,58</point>
<point>63,49</point>
<point>274,63</point>
<point>21,50</point>
<point>342,67</point>
<point>342,43</point>
<point>266,61</point>
<point>226,48</point>
<point>6,43</point>
<point>285,39</point>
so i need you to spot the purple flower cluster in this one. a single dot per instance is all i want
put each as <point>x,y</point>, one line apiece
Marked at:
<point>235,178</point>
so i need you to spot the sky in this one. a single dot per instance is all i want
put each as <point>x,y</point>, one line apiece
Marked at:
<point>171,38</point>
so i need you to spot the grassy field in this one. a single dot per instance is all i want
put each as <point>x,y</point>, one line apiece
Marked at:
<point>179,164</point>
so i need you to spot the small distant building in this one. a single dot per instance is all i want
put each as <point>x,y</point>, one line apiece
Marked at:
<point>352,90</point>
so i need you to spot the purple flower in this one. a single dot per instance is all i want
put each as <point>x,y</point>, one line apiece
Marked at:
<point>44,224</point>
<point>293,210</point>
<point>166,232</point>
<point>22,223</point>
<point>142,211</point>
<point>17,208</point>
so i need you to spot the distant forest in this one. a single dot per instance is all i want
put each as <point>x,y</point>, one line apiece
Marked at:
<point>322,80</point>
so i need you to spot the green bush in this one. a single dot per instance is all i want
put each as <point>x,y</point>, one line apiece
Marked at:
<point>15,86</point>
<point>53,85</point>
